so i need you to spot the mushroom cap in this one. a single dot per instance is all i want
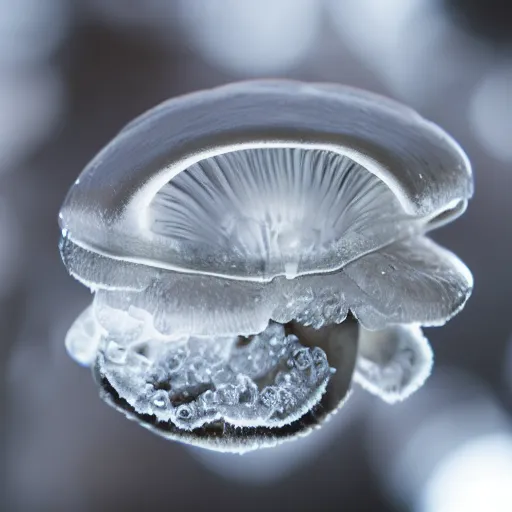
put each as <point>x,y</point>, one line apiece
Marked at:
<point>105,215</point>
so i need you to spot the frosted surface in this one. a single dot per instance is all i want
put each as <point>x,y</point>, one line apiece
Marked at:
<point>414,281</point>
<point>266,380</point>
<point>280,211</point>
<point>243,243</point>
<point>394,362</point>
<point>338,342</point>
<point>83,337</point>
<point>421,163</point>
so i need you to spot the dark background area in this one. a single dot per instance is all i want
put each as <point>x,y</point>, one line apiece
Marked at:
<point>72,73</point>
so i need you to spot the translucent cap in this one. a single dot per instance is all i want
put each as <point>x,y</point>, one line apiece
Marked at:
<point>109,210</point>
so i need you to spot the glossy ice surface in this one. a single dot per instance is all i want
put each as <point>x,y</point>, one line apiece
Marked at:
<point>255,247</point>
<point>107,212</point>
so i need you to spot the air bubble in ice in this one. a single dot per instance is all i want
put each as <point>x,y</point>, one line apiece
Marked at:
<point>214,384</point>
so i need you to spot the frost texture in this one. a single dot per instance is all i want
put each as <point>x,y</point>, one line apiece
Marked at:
<point>83,338</point>
<point>227,269</point>
<point>268,212</point>
<point>268,380</point>
<point>414,281</point>
<point>394,362</point>
<point>196,349</point>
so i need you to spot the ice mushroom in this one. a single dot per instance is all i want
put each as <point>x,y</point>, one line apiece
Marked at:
<point>254,248</point>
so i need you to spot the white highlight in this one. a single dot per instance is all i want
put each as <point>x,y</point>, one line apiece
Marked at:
<point>409,44</point>
<point>490,113</point>
<point>30,30</point>
<point>252,37</point>
<point>475,477</point>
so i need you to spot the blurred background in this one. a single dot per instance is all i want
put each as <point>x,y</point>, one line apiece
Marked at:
<point>72,73</point>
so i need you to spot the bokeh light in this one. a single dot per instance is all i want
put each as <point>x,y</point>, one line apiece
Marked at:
<point>490,112</point>
<point>71,74</point>
<point>31,30</point>
<point>474,477</point>
<point>390,39</point>
<point>252,37</point>
<point>411,45</point>
<point>434,449</point>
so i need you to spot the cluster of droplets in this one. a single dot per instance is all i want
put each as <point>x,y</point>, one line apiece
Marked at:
<point>319,313</point>
<point>308,306</point>
<point>267,380</point>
